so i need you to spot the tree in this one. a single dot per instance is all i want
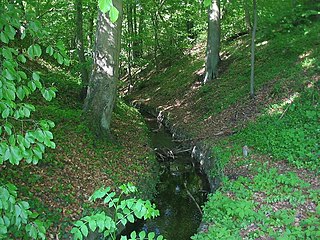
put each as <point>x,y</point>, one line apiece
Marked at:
<point>213,41</point>
<point>255,18</point>
<point>80,47</point>
<point>247,16</point>
<point>101,94</point>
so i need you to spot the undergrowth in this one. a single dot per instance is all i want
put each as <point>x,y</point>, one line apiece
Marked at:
<point>242,208</point>
<point>288,131</point>
<point>60,185</point>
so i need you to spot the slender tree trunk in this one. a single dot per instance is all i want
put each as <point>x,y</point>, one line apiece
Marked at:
<point>102,87</point>
<point>255,20</point>
<point>140,33</point>
<point>247,16</point>
<point>156,39</point>
<point>213,42</point>
<point>130,43</point>
<point>80,48</point>
<point>135,43</point>
<point>90,35</point>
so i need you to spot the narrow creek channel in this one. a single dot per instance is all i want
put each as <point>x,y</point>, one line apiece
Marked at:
<point>182,189</point>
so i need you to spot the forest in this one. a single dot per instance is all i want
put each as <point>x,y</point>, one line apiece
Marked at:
<point>159,119</point>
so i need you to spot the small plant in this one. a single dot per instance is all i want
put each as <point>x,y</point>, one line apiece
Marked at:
<point>124,211</point>
<point>16,216</point>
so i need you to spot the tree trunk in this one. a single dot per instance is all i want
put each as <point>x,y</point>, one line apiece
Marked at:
<point>102,87</point>
<point>80,48</point>
<point>213,42</point>
<point>247,16</point>
<point>135,43</point>
<point>130,43</point>
<point>255,19</point>
<point>156,39</point>
<point>90,36</point>
<point>140,33</point>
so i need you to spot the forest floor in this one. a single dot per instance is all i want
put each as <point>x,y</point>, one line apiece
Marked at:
<point>274,192</point>
<point>59,186</point>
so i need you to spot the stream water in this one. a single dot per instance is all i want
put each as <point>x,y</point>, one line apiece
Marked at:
<point>181,191</point>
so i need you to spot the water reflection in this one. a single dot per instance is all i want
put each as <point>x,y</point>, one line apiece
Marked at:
<point>179,191</point>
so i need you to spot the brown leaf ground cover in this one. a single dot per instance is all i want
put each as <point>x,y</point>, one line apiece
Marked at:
<point>59,186</point>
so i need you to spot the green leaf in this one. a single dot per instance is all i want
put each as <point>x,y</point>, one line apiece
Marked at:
<point>22,74</point>
<point>37,152</point>
<point>10,31</point>
<point>92,225</point>
<point>31,52</point>
<point>20,93</point>
<point>22,58</point>
<point>49,50</point>
<point>8,75</point>
<point>130,218</point>
<point>104,5</point>
<point>8,128</point>
<point>38,84</point>
<point>17,210</point>
<point>207,3</point>
<point>133,235</point>
<point>76,234</point>
<point>3,230</point>
<point>6,113</point>
<point>142,234</point>
<point>46,95</point>
<point>16,154</point>
<point>35,76</point>
<point>4,38</point>
<point>84,230</point>
<point>114,14</point>
<point>58,57</point>
<point>7,53</point>
<point>10,94</point>
<point>37,50</point>
<point>151,235</point>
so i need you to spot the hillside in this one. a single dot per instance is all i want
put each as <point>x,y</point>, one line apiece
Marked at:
<point>274,192</point>
<point>59,186</point>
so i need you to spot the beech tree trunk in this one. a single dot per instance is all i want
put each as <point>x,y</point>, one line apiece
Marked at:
<point>102,89</point>
<point>213,42</point>
<point>255,19</point>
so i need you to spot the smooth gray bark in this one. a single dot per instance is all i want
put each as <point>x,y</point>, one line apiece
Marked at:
<point>213,42</point>
<point>255,20</point>
<point>102,89</point>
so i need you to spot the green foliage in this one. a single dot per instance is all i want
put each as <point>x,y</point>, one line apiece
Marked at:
<point>16,215</point>
<point>221,159</point>
<point>233,212</point>
<point>107,6</point>
<point>22,138</point>
<point>125,210</point>
<point>291,132</point>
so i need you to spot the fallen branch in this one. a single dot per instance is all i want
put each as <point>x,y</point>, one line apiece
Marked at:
<point>193,199</point>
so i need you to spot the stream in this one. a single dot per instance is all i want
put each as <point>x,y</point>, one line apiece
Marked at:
<point>182,189</point>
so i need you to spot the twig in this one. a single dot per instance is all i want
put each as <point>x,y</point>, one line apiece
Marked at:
<point>284,112</point>
<point>194,200</point>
